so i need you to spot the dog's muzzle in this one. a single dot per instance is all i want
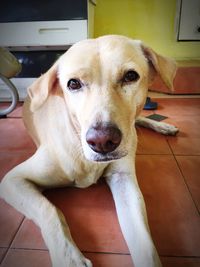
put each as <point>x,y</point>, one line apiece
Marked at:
<point>103,139</point>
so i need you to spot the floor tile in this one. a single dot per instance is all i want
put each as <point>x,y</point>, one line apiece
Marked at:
<point>190,167</point>
<point>16,113</point>
<point>24,258</point>
<point>187,141</point>
<point>178,106</point>
<point>173,218</point>
<point>91,216</point>
<point>180,262</point>
<point>14,136</point>
<point>10,159</point>
<point>150,142</point>
<point>184,146</point>
<point>2,253</point>
<point>28,236</point>
<point>10,221</point>
<point>189,126</point>
<point>109,260</point>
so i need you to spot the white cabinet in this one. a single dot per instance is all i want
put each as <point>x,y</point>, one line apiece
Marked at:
<point>189,20</point>
<point>37,34</point>
<point>42,34</point>
<point>36,26</point>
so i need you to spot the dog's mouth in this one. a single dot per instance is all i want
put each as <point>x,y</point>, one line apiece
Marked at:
<point>98,157</point>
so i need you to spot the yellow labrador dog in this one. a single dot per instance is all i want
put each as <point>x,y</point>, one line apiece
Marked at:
<point>81,115</point>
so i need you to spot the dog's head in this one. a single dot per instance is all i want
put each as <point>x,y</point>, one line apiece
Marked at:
<point>104,83</point>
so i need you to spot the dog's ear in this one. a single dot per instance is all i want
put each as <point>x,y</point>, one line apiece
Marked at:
<point>39,91</point>
<point>164,66</point>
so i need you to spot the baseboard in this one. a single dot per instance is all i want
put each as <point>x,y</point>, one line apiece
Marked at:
<point>21,85</point>
<point>187,81</point>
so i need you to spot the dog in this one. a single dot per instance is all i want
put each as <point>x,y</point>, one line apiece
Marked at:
<point>81,115</point>
<point>157,126</point>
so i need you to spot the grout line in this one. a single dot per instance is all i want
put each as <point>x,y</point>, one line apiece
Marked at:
<point>184,179</point>
<point>106,252</point>
<point>195,204</point>
<point>11,242</point>
<point>168,154</point>
<point>28,249</point>
<point>4,256</point>
<point>187,155</point>
<point>179,257</point>
<point>153,154</point>
<point>9,246</point>
<point>128,254</point>
<point>22,152</point>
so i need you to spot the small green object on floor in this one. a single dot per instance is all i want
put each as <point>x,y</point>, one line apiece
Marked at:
<point>156,117</point>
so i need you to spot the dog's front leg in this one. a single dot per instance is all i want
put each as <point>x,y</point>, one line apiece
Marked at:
<point>131,213</point>
<point>19,189</point>
<point>157,126</point>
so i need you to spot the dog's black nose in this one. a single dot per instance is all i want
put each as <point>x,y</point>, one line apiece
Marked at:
<point>103,139</point>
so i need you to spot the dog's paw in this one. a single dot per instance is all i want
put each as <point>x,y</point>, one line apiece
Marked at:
<point>167,129</point>
<point>75,261</point>
<point>87,263</point>
<point>83,262</point>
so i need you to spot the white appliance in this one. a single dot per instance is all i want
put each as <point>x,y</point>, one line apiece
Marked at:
<point>38,32</point>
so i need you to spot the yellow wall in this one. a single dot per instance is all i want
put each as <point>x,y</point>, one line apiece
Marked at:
<point>152,21</point>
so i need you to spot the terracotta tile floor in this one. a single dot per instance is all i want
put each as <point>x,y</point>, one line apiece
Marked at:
<point>168,170</point>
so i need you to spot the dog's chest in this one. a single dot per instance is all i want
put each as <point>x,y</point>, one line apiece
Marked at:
<point>87,175</point>
<point>82,173</point>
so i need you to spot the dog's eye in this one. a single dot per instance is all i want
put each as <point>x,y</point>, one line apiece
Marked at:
<point>74,84</point>
<point>130,76</point>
